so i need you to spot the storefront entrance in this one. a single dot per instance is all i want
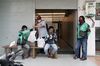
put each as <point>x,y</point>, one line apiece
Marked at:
<point>64,22</point>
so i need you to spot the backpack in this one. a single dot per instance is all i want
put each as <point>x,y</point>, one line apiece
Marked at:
<point>19,42</point>
<point>84,33</point>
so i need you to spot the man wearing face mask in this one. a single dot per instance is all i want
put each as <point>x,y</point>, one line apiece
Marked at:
<point>83,31</point>
<point>41,27</point>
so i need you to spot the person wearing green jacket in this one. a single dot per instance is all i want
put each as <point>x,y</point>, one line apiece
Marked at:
<point>23,35</point>
<point>83,31</point>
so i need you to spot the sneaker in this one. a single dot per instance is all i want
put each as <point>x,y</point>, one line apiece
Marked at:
<point>75,57</point>
<point>49,56</point>
<point>54,56</point>
<point>83,58</point>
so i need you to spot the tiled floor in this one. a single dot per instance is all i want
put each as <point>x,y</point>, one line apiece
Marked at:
<point>62,60</point>
<point>95,59</point>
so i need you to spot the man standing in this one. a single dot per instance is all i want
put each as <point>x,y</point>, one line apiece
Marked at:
<point>83,31</point>
<point>41,27</point>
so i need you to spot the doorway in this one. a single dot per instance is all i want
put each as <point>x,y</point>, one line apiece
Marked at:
<point>64,22</point>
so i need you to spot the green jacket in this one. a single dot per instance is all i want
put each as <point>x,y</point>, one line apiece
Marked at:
<point>23,34</point>
<point>84,27</point>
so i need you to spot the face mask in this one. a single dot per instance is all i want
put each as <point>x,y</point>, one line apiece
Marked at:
<point>80,21</point>
<point>39,20</point>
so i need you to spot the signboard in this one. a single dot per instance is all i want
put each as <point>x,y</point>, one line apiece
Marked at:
<point>90,8</point>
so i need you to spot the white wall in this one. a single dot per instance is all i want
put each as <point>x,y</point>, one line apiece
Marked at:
<point>56,4</point>
<point>14,14</point>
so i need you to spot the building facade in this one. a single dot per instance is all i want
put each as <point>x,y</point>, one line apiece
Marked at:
<point>15,13</point>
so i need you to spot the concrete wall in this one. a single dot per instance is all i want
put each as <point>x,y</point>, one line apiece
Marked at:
<point>56,4</point>
<point>14,14</point>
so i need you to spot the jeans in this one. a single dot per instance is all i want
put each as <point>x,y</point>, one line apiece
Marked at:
<point>53,46</point>
<point>25,49</point>
<point>81,43</point>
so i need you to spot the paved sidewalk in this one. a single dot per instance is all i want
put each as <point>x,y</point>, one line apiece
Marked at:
<point>62,60</point>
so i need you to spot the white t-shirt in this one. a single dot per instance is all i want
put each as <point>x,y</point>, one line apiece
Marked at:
<point>32,37</point>
<point>42,30</point>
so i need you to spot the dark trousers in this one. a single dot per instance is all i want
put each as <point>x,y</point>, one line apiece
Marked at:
<point>4,63</point>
